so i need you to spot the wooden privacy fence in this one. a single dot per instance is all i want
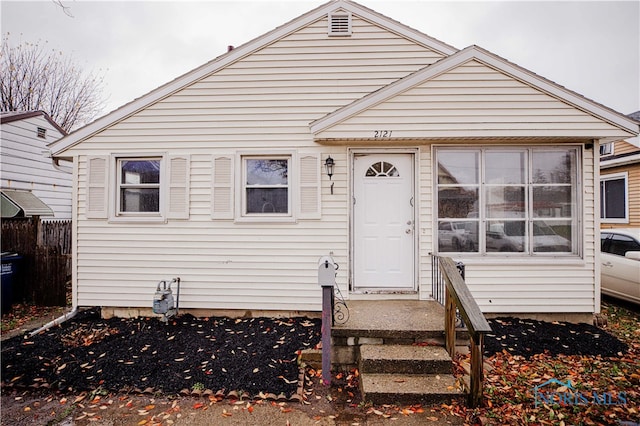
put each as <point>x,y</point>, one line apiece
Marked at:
<point>45,267</point>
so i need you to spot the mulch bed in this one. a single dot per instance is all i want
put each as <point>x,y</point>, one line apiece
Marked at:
<point>531,337</point>
<point>251,357</point>
<point>254,357</point>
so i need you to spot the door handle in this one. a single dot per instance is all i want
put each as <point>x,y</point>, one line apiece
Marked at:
<point>608,264</point>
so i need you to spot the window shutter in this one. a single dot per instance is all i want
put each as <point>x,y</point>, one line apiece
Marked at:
<point>222,188</point>
<point>97,187</point>
<point>309,186</point>
<point>178,187</point>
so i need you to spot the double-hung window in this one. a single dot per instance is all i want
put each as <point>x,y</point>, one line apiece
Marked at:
<point>138,181</point>
<point>266,188</point>
<point>613,198</point>
<point>508,200</point>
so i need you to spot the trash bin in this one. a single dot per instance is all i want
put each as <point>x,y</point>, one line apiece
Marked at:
<point>9,271</point>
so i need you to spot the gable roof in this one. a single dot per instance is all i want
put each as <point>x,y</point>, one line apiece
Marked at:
<point>58,147</point>
<point>11,116</point>
<point>635,116</point>
<point>487,58</point>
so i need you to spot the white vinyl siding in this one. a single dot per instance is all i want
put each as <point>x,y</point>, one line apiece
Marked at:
<point>472,100</point>
<point>25,165</point>
<point>260,103</point>
<point>264,103</point>
<point>222,264</point>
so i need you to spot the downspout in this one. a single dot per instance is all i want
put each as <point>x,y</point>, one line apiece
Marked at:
<point>74,309</point>
<point>56,321</point>
<point>58,167</point>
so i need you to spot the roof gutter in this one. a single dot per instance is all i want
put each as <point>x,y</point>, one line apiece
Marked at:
<point>622,161</point>
<point>55,162</point>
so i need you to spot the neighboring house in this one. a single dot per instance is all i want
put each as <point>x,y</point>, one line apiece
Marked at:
<point>32,185</point>
<point>219,177</point>
<point>620,183</point>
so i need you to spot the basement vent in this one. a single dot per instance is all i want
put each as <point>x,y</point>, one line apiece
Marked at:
<point>340,24</point>
<point>42,132</point>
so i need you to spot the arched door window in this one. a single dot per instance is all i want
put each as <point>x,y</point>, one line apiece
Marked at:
<point>382,169</point>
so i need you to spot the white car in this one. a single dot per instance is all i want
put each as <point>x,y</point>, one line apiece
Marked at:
<point>620,263</point>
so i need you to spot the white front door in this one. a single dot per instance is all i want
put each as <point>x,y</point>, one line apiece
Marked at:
<point>383,222</point>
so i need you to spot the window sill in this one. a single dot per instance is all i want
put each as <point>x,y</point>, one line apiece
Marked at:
<point>137,219</point>
<point>568,259</point>
<point>265,219</point>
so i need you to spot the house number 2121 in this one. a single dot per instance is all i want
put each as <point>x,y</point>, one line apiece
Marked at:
<point>382,133</point>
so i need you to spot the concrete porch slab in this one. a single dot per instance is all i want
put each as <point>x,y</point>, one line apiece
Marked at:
<point>388,319</point>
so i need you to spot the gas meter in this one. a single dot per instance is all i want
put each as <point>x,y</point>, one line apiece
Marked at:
<point>163,301</point>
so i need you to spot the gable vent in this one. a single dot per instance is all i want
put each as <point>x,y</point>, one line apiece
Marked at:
<point>42,132</point>
<point>340,24</point>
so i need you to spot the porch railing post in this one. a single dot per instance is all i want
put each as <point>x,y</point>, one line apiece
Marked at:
<point>450,323</point>
<point>476,373</point>
<point>457,295</point>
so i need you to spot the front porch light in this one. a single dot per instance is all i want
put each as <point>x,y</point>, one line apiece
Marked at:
<point>328,165</point>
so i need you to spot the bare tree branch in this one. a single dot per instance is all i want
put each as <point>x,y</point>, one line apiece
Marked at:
<point>65,9</point>
<point>34,79</point>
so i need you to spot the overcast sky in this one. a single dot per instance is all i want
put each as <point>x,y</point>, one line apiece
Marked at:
<point>592,48</point>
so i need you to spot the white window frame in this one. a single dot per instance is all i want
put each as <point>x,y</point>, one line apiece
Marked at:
<point>576,241</point>
<point>616,176</point>
<point>606,149</point>
<point>241,191</point>
<point>117,215</point>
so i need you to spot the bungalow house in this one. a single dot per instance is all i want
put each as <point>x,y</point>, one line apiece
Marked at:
<point>32,185</point>
<point>620,183</point>
<point>218,177</point>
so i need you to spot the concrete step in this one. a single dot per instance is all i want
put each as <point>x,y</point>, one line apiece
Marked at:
<point>393,336</point>
<point>404,389</point>
<point>404,359</point>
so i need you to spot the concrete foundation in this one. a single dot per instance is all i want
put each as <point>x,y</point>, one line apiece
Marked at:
<point>110,312</point>
<point>575,318</point>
